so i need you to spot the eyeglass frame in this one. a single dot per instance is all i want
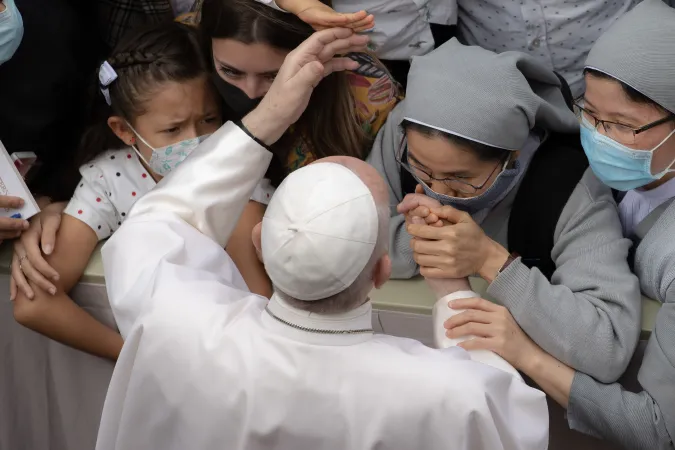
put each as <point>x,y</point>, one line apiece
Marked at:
<point>411,171</point>
<point>635,131</point>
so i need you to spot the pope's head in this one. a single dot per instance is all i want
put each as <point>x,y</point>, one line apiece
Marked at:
<point>324,236</point>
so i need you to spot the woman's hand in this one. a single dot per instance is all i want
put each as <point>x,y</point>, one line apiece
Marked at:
<point>456,250</point>
<point>494,329</point>
<point>28,262</point>
<point>321,16</point>
<point>11,228</point>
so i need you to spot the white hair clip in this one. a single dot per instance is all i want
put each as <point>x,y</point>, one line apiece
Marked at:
<point>106,75</point>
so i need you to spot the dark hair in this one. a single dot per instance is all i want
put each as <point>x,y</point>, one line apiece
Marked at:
<point>329,126</point>
<point>631,93</point>
<point>166,52</point>
<point>482,151</point>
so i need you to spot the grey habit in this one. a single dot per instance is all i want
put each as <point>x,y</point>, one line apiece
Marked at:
<point>639,50</point>
<point>588,315</point>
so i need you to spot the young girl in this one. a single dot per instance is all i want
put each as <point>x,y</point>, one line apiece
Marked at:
<point>154,105</point>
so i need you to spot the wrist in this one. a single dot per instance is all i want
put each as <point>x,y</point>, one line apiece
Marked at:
<point>264,126</point>
<point>495,260</point>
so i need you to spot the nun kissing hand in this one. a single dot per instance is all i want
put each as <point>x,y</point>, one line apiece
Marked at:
<point>457,249</point>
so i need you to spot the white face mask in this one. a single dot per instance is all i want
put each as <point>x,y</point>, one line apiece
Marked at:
<point>165,159</point>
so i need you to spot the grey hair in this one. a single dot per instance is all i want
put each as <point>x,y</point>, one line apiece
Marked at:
<point>357,293</point>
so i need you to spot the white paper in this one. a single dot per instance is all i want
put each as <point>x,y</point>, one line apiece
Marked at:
<point>12,184</point>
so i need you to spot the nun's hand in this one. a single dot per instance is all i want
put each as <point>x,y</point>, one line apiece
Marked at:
<point>456,250</point>
<point>493,328</point>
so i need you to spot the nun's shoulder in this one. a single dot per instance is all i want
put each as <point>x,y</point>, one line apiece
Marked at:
<point>591,202</point>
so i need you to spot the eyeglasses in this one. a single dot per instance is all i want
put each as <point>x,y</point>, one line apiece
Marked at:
<point>454,183</point>
<point>621,133</point>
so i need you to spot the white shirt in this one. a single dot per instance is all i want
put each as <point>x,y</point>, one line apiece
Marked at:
<point>559,33</point>
<point>401,26</point>
<point>206,366</point>
<point>638,203</point>
<point>109,187</point>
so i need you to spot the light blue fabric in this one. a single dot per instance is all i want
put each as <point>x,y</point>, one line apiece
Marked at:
<point>11,31</point>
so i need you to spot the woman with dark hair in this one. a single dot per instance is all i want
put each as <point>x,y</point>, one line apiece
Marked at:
<point>248,43</point>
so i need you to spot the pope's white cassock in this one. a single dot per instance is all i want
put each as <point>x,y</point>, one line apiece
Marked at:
<point>205,367</point>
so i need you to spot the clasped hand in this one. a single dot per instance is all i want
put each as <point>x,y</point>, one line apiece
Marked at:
<point>446,242</point>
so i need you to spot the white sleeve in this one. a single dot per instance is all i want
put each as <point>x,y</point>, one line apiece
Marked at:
<point>271,4</point>
<point>170,248</point>
<point>442,312</point>
<point>91,202</point>
<point>263,192</point>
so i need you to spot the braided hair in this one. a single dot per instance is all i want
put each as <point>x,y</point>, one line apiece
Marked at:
<point>143,62</point>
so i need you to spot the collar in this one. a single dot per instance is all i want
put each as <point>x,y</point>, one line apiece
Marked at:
<point>281,318</point>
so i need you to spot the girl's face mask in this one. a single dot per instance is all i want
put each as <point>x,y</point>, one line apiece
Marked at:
<point>11,31</point>
<point>166,159</point>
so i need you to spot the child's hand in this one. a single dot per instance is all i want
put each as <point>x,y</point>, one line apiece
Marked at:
<point>28,262</point>
<point>321,16</point>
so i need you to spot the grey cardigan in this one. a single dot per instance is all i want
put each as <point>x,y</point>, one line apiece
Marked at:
<point>643,420</point>
<point>588,315</point>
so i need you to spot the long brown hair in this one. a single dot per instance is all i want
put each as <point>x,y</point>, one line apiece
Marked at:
<point>330,124</point>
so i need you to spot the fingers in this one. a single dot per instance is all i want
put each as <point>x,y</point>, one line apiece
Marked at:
<point>477,344</point>
<point>429,261</point>
<point>426,232</point>
<point>470,329</point>
<point>467,316</point>
<point>359,26</point>
<point>50,225</point>
<point>30,246</point>
<point>7,201</point>
<point>412,201</point>
<point>12,289</point>
<point>356,43</point>
<point>436,248</point>
<point>338,65</point>
<point>451,214</point>
<point>9,235</point>
<point>314,45</point>
<point>479,304</point>
<point>19,278</point>
<point>36,277</point>
<point>11,226</point>
<point>417,220</point>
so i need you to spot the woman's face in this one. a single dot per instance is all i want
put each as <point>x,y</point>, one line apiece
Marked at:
<point>606,100</point>
<point>443,159</point>
<point>249,67</point>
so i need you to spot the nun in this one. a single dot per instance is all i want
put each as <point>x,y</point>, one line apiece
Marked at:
<point>493,140</point>
<point>628,132</point>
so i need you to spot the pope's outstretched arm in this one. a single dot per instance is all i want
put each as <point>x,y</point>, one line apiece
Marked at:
<point>175,234</point>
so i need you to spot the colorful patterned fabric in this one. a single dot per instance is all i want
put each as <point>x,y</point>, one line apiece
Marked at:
<point>375,95</point>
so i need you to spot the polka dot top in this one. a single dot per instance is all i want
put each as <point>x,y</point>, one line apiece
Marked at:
<point>109,187</point>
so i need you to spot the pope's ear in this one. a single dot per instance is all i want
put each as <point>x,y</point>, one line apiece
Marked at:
<point>382,271</point>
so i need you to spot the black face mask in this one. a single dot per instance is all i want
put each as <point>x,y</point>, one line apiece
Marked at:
<point>235,98</point>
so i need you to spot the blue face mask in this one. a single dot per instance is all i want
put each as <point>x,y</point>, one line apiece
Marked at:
<point>619,167</point>
<point>11,31</point>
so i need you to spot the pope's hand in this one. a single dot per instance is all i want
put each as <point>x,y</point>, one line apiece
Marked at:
<point>321,16</point>
<point>457,250</point>
<point>302,70</point>
<point>419,205</point>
